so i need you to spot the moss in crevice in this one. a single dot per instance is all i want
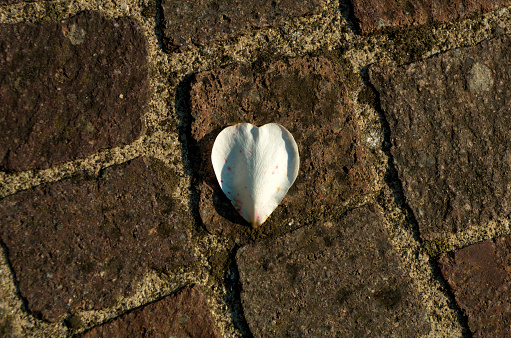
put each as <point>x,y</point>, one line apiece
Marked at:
<point>149,10</point>
<point>53,12</point>
<point>436,247</point>
<point>74,322</point>
<point>220,262</point>
<point>410,45</point>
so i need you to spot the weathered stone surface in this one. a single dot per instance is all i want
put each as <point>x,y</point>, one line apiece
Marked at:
<point>449,119</point>
<point>8,2</point>
<point>307,97</point>
<point>480,277</point>
<point>80,243</point>
<point>183,315</point>
<point>335,279</point>
<point>378,14</point>
<point>68,89</point>
<point>197,22</point>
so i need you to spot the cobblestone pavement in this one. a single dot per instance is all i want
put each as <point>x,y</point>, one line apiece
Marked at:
<point>112,222</point>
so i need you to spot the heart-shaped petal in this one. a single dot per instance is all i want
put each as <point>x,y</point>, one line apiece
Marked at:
<point>255,167</point>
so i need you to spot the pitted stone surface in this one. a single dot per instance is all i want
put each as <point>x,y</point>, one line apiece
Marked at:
<point>334,279</point>
<point>183,315</point>
<point>308,98</point>
<point>9,2</point>
<point>449,120</point>
<point>378,14</point>
<point>197,22</point>
<point>68,89</point>
<point>81,243</point>
<point>480,277</point>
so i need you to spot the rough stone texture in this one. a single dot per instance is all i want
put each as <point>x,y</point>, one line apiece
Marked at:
<point>197,22</point>
<point>7,329</point>
<point>335,279</point>
<point>308,98</point>
<point>449,119</point>
<point>378,14</point>
<point>69,88</point>
<point>8,2</point>
<point>183,315</point>
<point>80,243</point>
<point>480,277</point>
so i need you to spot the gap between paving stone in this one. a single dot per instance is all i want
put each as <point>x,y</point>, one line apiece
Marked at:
<point>15,319</point>
<point>374,15</point>
<point>11,183</point>
<point>442,311</point>
<point>474,83</point>
<point>395,185</point>
<point>183,314</point>
<point>287,37</point>
<point>413,243</point>
<point>152,287</point>
<point>406,238</point>
<point>43,176</point>
<point>195,23</point>
<point>183,105</point>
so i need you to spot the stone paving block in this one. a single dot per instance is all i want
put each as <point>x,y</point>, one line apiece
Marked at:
<point>68,89</point>
<point>374,15</point>
<point>307,97</point>
<point>449,120</point>
<point>183,315</point>
<point>333,279</point>
<point>80,243</point>
<point>197,22</point>
<point>480,277</point>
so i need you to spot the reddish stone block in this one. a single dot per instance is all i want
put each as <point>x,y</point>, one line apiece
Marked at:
<point>183,315</point>
<point>449,119</point>
<point>378,14</point>
<point>197,22</point>
<point>332,279</point>
<point>480,277</point>
<point>307,97</point>
<point>68,89</point>
<point>83,242</point>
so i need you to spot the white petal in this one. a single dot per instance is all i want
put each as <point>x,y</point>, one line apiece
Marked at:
<point>255,167</point>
